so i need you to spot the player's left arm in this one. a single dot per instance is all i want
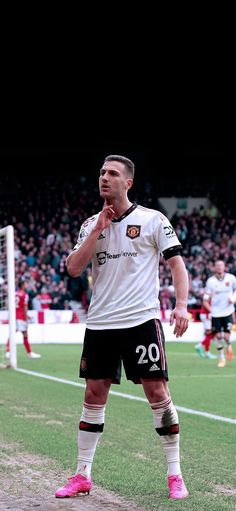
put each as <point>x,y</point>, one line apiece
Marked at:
<point>181,284</point>
<point>232,296</point>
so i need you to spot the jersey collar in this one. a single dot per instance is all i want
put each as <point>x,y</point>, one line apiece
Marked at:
<point>220,277</point>
<point>134,206</point>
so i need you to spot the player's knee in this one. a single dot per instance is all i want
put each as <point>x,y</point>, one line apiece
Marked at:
<point>157,392</point>
<point>219,343</point>
<point>97,392</point>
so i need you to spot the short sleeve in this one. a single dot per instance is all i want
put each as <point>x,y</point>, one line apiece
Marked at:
<point>166,235</point>
<point>85,229</point>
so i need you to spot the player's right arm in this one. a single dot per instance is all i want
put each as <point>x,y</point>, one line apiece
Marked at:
<point>79,258</point>
<point>206,304</point>
<point>207,298</point>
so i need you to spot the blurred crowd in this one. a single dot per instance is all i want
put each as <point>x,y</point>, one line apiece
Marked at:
<point>47,217</point>
<point>206,236</point>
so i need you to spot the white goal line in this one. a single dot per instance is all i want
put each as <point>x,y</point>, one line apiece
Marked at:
<point>130,396</point>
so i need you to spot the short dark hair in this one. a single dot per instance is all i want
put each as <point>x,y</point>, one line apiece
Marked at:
<point>127,162</point>
<point>21,282</point>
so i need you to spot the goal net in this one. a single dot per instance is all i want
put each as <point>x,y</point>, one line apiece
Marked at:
<point>7,297</point>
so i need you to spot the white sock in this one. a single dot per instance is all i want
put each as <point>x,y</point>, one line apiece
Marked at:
<point>165,416</point>
<point>221,355</point>
<point>219,342</point>
<point>90,429</point>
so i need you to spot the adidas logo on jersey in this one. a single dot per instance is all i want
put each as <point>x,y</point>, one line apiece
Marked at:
<point>101,236</point>
<point>154,367</point>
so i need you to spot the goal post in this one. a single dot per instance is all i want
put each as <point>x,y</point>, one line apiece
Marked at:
<point>7,290</point>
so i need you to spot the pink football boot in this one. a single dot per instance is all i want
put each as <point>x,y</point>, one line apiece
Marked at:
<point>76,484</point>
<point>177,487</point>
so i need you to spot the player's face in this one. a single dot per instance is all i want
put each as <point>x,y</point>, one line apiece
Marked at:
<point>113,181</point>
<point>219,267</point>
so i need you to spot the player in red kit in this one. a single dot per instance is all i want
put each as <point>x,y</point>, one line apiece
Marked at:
<point>203,347</point>
<point>22,300</point>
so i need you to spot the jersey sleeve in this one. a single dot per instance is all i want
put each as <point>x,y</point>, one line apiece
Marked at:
<point>85,229</point>
<point>207,291</point>
<point>167,239</point>
<point>234,284</point>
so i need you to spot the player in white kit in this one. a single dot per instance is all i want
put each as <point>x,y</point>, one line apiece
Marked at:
<point>124,242</point>
<point>219,299</point>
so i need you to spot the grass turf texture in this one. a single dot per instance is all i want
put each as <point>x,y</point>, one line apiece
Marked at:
<point>43,417</point>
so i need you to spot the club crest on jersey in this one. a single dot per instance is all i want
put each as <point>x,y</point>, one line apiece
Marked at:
<point>133,231</point>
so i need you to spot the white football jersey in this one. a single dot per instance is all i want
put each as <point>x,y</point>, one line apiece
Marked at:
<point>125,267</point>
<point>220,291</point>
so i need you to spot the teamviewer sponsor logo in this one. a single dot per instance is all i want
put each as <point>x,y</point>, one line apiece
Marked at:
<point>102,257</point>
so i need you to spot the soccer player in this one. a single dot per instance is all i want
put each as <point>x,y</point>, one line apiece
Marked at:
<point>219,299</point>
<point>124,242</point>
<point>22,300</point>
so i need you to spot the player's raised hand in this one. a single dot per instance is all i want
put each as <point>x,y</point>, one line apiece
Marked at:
<point>105,217</point>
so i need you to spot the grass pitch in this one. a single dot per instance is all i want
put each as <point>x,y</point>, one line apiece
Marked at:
<point>43,416</point>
